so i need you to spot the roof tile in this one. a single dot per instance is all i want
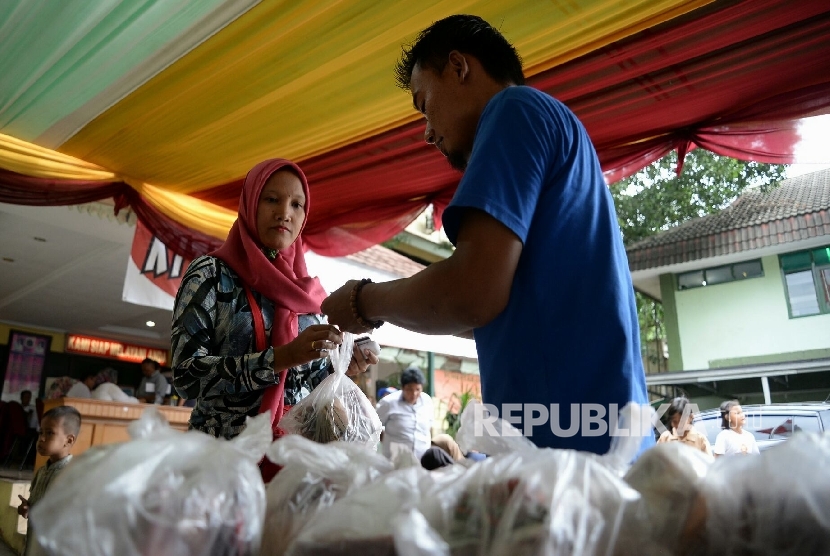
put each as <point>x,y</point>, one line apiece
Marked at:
<point>798,208</point>
<point>385,259</point>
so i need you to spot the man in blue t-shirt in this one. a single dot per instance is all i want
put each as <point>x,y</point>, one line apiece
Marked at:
<point>539,274</point>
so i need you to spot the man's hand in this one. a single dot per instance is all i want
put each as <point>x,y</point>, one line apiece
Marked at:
<point>23,508</point>
<point>361,361</point>
<point>338,308</point>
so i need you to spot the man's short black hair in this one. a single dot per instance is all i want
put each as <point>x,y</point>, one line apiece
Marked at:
<point>412,375</point>
<point>24,392</point>
<point>152,362</point>
<point>68,415</point>
<point>469,34</point>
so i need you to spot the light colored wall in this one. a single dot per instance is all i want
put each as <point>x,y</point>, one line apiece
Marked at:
<point>58,338</point>
<point>744,319</point>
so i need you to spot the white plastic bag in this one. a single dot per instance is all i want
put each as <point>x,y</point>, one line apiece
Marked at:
<point>337,409</point>
<point>669,477</point>
<point>526,500</point>
<point>363,522</point>
<point>557,502</point>
<point>163,493</point>
<point>314,476</point>
<point>777,503</point>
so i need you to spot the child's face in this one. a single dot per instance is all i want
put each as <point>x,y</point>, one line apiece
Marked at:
<point>737,417</point>
<point>685,425</point>
<point>53,440</point>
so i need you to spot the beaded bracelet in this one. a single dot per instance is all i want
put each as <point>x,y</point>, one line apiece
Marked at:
<point>356,313</point>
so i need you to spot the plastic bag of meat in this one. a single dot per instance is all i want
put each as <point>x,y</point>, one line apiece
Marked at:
<point>777,503</point>
<point>314,476</point>
<point>337,409</point>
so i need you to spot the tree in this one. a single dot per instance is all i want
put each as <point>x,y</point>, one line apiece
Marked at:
<point>656,199</point>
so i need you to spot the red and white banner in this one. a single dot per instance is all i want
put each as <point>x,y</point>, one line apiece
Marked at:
<point>153,272</point>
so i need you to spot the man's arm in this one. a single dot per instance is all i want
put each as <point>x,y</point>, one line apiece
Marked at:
<point>465,291</point>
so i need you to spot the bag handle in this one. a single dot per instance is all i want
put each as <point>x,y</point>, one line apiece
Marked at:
<point>274,398</point>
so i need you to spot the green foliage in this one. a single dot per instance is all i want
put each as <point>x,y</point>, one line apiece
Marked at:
<point>656,199</point>
<point>454,419</point>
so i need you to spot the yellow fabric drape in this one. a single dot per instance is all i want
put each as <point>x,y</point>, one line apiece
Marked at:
<point>296,79</point>
<point>197,214</point>
<point>31,160</point>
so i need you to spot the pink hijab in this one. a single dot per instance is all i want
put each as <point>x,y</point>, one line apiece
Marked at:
<point>285,280</point>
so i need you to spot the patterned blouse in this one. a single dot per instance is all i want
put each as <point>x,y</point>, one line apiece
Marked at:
<point>214,350</point>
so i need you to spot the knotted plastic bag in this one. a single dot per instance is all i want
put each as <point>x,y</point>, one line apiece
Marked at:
<point>337,409</point>
<point>314,476</point>
<point>162,493</point>
<point>777,503</point>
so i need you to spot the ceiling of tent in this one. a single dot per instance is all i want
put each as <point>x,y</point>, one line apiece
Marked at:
<point>165,104</point>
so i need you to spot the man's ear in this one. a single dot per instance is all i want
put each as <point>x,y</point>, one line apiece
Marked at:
<point>71,438</point>
<point>459,65</point>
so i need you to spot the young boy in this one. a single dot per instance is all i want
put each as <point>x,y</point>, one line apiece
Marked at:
<point>58,431</point>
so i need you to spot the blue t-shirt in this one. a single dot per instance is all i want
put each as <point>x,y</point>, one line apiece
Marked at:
<point>569,334</point>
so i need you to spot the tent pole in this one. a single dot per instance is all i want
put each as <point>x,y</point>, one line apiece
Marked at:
<point>431,374</point>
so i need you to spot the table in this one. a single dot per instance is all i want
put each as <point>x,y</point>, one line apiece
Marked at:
<point>104,422</point>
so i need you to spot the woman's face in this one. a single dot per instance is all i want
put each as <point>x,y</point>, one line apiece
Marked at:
<point>737,417</point>
<point>281,210</point>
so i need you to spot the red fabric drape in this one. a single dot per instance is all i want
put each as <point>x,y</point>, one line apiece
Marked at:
<point>730,77</point>
<point>18,189</point>
<point>181,240</point>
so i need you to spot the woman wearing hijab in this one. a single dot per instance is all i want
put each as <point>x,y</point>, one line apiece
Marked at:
<point>247,335</point>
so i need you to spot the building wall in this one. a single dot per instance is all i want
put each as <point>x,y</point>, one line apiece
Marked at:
<point>745,322</point>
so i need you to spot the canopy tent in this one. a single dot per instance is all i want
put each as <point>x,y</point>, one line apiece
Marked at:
<point>164,105</point>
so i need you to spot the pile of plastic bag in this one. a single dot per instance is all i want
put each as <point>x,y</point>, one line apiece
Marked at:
<point>774,504</point>
<point>520,501</point>
<point>170,493</point>
<point>163,493</point>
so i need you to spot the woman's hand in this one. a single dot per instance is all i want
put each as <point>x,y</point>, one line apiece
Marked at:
<point>312,343</point>
<point>361,361</point>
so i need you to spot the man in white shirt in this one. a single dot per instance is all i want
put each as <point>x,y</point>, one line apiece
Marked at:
<point>153,386</point>
<point>407,417</point>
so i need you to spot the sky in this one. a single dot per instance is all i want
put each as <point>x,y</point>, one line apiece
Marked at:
<point>813,153</point>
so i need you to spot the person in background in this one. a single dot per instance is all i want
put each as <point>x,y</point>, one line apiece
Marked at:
<point>153,386</point>
<point>407,416</point>
<point>30,410</point>
<point>83,388</point>
<point>385,391</point>
<point>59,430</point>
<point>539,257</point>
<point>733,439</point>
<point>446,451</point>
<point>681,428</point>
